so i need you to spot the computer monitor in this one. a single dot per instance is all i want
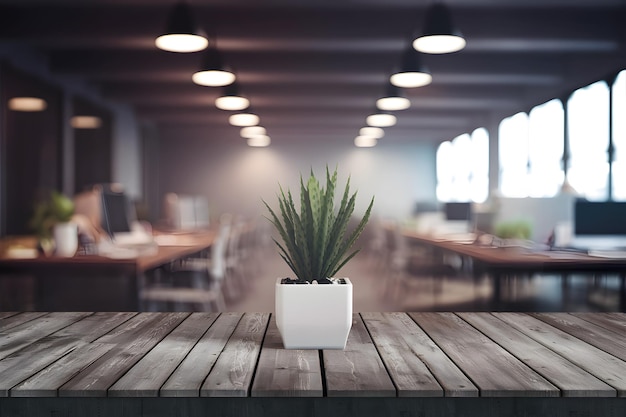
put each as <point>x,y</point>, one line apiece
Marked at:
<point>118,213</point>
<point>599,224</point>
<point>600,218</point>
<point>458,211</point>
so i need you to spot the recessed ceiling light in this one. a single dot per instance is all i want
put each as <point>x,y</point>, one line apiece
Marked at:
<point>28,104</point>
<point>85,122</point>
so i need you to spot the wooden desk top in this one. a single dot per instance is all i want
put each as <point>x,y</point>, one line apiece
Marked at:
<point>511,258</point>
<point>240,355</point>
<point>179,246</point>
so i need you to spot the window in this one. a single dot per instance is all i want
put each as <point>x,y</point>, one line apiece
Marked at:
<point>531,150</point>
<point>463,168</point>
<point>513,155</point>
<point>545,149</point>
<point>588,127</point>
<point>619,137</point>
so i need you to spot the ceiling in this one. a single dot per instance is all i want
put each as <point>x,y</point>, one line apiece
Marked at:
<point>313,69</point>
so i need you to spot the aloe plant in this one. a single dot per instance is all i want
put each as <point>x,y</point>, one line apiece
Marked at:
<point>315,239</point>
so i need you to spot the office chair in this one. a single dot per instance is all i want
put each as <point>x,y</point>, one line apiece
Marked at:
<point>195,286</point>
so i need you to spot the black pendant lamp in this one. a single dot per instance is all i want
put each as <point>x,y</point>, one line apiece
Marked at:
<point>439,35</point>
<point>231,99</point>
<point>412,72</point>
<point>182,34</point>
<point>393,100</point>
<point>212,72</point>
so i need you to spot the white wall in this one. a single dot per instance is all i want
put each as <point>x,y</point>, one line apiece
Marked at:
<point>235,177</point>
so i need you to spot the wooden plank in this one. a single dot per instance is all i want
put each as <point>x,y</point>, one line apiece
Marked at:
<point>232,374</point>
<point>47,382</point>
<point>14,319</point>
<point>26,362</point>
<point>133,340</point>
<point>187,379</point>
<point>569,378</point>
<point>286,372</point>
<point>31,331</point>
<point>607,367</point>
<point>612,343</point>
<point>495,371</point>
<point>95,326</point>
<point>150,373</point>
<point>610,321</point>
<point>413,360</point>
<point>5,314</point>
<point>358,370</point>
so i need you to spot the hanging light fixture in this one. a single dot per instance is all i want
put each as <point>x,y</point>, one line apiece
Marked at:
<point>27,104</point>
<point>231,99</point>
<point>85,122</point>
<point>439,36</point>
<point>250,131</point>
<point>244,118</point>
<point>393,100</point>
<point>365,142</point>
<point>412,72</point>
<point>381,119</point>
<point>182,35</point>
<point>259,141</point>
<point>375,132</point>
<point>212,72</point>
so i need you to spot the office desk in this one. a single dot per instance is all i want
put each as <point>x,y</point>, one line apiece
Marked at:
<point>88,282</point>
<point>233,364</point>
<point>501,262</point>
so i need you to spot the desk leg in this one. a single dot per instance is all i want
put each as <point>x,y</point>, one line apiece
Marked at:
<point>496,297</point>
<point>622,292</point>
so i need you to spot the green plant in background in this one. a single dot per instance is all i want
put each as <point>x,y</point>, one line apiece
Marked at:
<point>315,240</point>
<point>55,209</point>
<point>519,229</point>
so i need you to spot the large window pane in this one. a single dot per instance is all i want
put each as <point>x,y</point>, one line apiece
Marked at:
<point>513,155</point>
<point>619,137</point>
<point>545,149</point>
<point>588,126</point>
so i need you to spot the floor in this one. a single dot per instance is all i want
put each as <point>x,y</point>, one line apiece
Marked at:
<point>375,289</point>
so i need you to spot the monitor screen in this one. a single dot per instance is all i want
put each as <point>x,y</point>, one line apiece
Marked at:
<point>599,218</point>
<point>116,212</point>
<point>458,211</point>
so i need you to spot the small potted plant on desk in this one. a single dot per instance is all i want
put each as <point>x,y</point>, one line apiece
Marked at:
<point>52,223</point>
<point>314,310</point>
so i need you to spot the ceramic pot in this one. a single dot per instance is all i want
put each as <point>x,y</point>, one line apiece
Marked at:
<point>314,316</point>
<point>66,239</point>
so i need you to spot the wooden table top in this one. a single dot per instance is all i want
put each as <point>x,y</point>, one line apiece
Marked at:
<point>241,355</point>
<point>177,246</point>
<point>522,258</point>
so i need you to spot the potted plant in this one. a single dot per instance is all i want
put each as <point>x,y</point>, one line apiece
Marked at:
<point>53,226</point>
<point>314,310</point>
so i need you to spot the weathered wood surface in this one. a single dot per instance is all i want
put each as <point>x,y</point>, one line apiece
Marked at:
<point>195,355</point>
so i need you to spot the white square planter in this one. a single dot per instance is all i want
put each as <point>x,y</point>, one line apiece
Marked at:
<point>314,316</point>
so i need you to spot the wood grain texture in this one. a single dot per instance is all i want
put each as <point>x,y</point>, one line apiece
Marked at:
<point>47,382</point>
<point>95,326</point>
<point>232,374</point>
<point>415,363</point>
<point>604,366</point>
<point>133,340</point>
<point>286,372</point>
<point>358,370</point>
<point>33,330</point>
<point>146,377</point>
<point>598,336</point>
<point>11,320</point>
<point>610,321</point>
<point>569,378</point>
<point>494,371</point>
<point>187,379</point>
